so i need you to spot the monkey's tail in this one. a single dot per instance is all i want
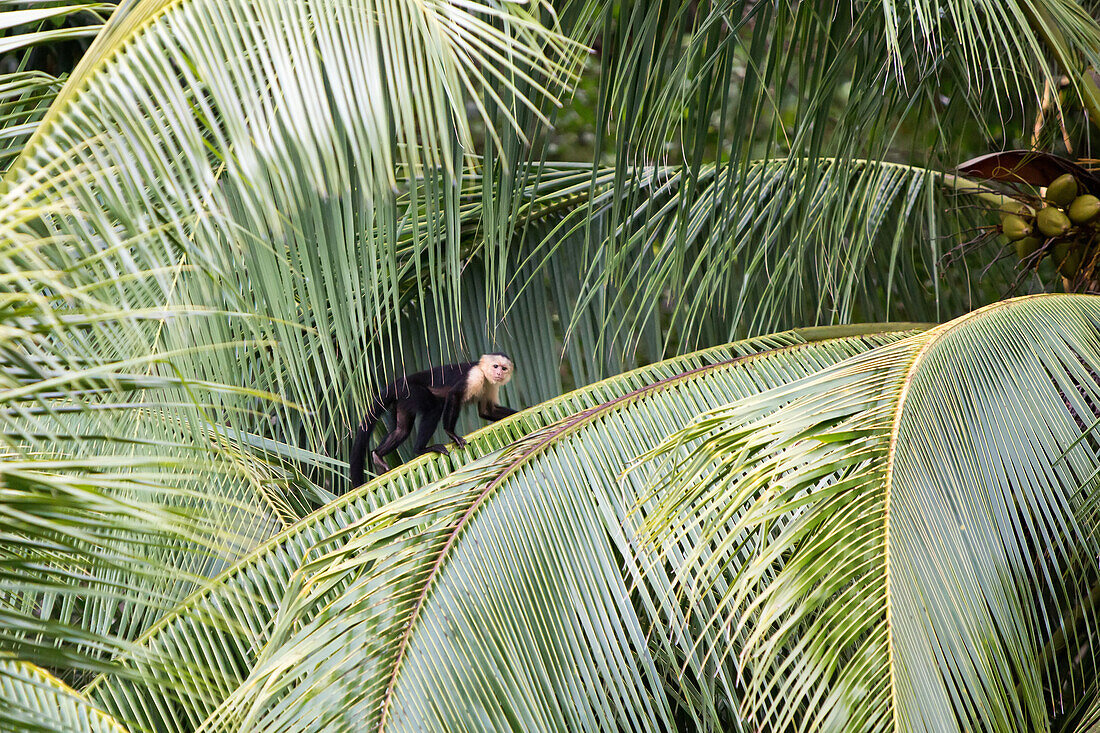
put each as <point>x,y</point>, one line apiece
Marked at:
<point>360,447</point>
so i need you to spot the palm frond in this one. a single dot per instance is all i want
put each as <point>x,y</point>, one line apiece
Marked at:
<point>24,98</point>
<point>750,254</point>
<point>851,532</point>
<point>23,27</point>
<point>120,491</point>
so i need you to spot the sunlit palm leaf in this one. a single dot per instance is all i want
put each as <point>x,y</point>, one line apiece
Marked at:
<point>906,539</point>
<point>37,702</point>
<point>274,600</point>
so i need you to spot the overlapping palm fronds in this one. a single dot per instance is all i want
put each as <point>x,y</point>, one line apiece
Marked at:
<point>137,465</point>
<point>754,153</point>
<point>814,540</point>
<point>24,98</point>
<point>699,270</point>
<point>36,701</point>
<point>280,205</point>
<point>119,493</point>
<point>238,218</point>
<point>26,91</point>
<point>270,214</point>
<point>278,591</point>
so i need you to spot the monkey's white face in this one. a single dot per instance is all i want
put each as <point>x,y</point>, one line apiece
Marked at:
<point>497,369</point>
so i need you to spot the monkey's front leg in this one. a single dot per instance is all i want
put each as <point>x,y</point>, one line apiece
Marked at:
<point>429,420</point>
<point>450,418</point>
<point>458,439</point>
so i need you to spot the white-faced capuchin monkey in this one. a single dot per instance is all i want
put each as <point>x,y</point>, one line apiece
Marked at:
<point>432,394</point>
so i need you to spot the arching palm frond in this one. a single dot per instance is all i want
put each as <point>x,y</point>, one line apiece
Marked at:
<point>743,255</point>
<point>904,541</point>
<point>203,656</point>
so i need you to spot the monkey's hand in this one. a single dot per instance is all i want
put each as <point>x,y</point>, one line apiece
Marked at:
<point>458,439</point>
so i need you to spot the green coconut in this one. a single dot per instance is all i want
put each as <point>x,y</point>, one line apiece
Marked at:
<point>1027,246</point>
<point>1015,227</point>
<point>1062,190</point>
<point>1052,222</point>
<point>1067,257</point>
<point>1084,209</point>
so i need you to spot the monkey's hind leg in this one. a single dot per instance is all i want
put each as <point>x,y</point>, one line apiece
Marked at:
<point>402,428</point>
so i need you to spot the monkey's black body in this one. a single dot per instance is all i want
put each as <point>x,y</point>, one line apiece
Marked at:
<point>433,394</point>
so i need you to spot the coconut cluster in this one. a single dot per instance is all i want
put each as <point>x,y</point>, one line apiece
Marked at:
<point>1062,225</point>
